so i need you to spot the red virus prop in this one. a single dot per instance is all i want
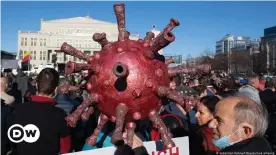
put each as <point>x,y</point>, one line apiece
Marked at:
<point>126,80</point>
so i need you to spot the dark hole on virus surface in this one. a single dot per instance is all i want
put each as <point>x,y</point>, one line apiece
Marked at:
<point>120,69</point>
<point>121,84</point>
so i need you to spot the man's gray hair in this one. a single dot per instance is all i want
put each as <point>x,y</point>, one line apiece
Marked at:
<point>252,78</point>
<point>246,110</point>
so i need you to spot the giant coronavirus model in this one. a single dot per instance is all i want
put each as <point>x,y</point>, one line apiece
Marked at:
<point>126,81</point>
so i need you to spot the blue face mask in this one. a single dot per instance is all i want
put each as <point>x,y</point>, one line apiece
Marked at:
<point>223,142</point>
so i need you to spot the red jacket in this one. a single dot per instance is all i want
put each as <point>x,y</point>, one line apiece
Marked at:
<point>206,134</point>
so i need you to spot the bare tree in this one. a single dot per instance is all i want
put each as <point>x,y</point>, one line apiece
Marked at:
<point>208,52</point>
<point>220,62</point>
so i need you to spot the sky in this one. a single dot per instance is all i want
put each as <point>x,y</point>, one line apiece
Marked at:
<point>201,23</point>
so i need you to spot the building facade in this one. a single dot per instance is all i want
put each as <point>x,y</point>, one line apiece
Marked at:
<point>229,41</point>
<point>45,44</point>
<point>268,50</point>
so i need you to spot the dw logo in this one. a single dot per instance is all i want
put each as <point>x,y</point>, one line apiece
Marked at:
<point>17,133</point>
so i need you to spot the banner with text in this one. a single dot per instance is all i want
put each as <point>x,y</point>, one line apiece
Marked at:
<point>153,148</point>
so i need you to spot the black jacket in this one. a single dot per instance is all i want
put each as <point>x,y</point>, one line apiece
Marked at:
<point>269,99</point>
<point>255,144</point>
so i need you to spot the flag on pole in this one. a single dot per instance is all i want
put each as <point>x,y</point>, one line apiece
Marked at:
<point>26,57</point>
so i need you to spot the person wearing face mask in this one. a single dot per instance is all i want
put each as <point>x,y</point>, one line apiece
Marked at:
<point>239,125</point>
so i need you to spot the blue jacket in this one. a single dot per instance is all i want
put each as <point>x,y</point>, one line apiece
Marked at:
<point>65,102</point>
<point>172,108</point>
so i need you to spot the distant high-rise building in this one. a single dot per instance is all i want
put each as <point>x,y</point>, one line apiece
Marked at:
<point>268,50</point>
<point>229,41</point>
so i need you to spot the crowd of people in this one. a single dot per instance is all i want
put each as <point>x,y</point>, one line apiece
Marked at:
<point>232,114</point>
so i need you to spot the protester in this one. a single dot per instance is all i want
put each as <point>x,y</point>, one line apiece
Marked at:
<point>50,120</point>
<point>22,81</point>
<point>6,112</point>
<point>239,125</point>
<point>251,89</point>
<point>203,136</point>
<point>16,94</point>
<point>64,101</point>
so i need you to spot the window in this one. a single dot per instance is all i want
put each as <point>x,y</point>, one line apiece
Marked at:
<point>25,41</point>
<point>20,54</point>
<point>31,55</point>
<point>97,45</point>
<point>34,57</point>
<point>41,40</point>
<point>78,30</point>
<point>44,55</point>
<point>32,41</point>
<point>40,55</point>
<point>57,42</point>
<point>22,41</point>
<point>61,30</point>
<point>35,40</point>
<point>59,57</point>
<point>70,30</point>
<point>44,42</point>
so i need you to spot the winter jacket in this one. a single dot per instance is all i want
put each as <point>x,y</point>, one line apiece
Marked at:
<point>250,92</point>
<point>253,145</point>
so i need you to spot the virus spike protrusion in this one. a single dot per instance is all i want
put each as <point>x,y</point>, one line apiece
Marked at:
<point>148,54</point>
<point>68,49</point>
<point>149,36</point>
<point>130,133</point>
<point>173,23</point>
<point>101,39</point>
<point>120,15</point>
<point>73,118</point>
<point>121,111</point>
<point>164,38</point>
<point>85,115</point>
<point>161,41</point>
<point>120,70</point>
<point>173,71</point>
<point>165,134</point>
<point>92,139</point>
<point>169,61</point>
<point>170,94</point>
<point>96,69</point>
<point>72,67</point>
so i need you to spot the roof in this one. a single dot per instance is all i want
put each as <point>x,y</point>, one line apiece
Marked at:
<point>7,53</point>
<point>85,19</point>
